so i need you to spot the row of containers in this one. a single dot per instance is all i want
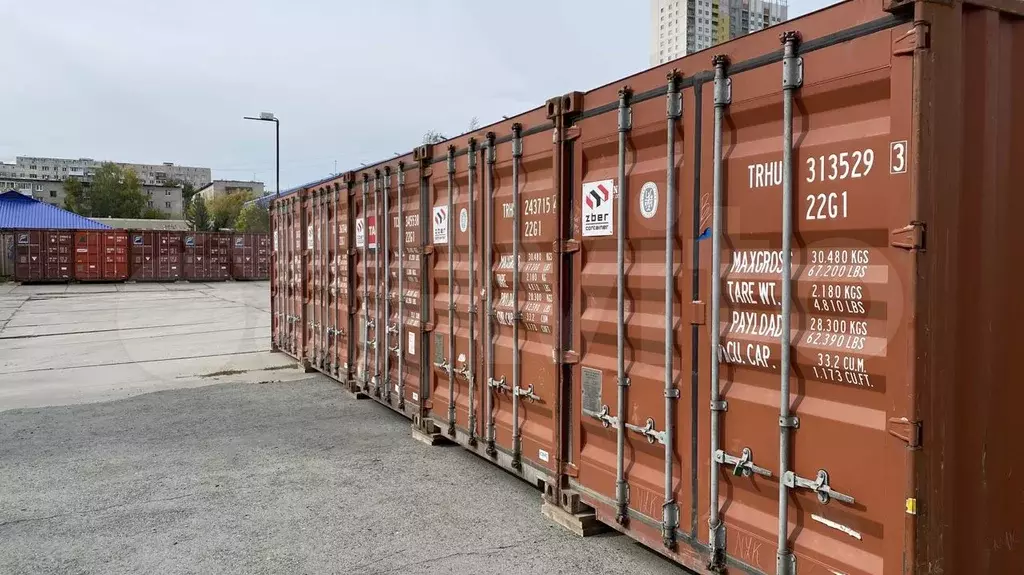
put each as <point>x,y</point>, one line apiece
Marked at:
<point>127,255</point>
<point>699,306</point>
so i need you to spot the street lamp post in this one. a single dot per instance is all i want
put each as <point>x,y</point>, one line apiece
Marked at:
<point>268,117</point>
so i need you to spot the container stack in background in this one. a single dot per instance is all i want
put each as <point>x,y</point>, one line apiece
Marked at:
<point>750,310</point>
<point>139,255</point>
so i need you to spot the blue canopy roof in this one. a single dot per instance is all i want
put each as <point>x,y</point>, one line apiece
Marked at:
<point>18,211</point>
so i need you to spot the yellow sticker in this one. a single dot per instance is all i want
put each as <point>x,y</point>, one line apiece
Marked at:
<point>912,506</point>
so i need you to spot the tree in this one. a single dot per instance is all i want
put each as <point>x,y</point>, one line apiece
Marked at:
<point>474,123</point>
<point>114,192</point>
<point>153,214</point>
<point>224,209</point>
<point>74,196</point>
<point>187,190</point>
<point>433,137</point>
<point>197,214</point>
<point>253,218</point>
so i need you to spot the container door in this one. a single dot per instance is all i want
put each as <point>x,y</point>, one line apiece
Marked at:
<point>522,375</point>
<point>451,353</point>
<point>843,466</point>
<point>297,280</point>
<point>277,277</point>
<point>341,306</point>
<point>635,340</point>
<point>311,284</point>
<point>65,240</point>
<point>28,266</point>
<point>410,286</point>
<point>263,256</point>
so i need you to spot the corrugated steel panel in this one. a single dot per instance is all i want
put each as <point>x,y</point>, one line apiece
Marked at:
<point>250,256</point>
<point>825,385</point>
<point>43,255</point>
<point>207,256</point>
<point>101,255</point>
<point>156,255</point>
<point>18,211</point>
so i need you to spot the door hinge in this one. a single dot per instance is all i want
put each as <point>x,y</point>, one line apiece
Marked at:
<point>567,246</point>
<point>571,133</point>
<point>909,237</point>
<point>918,37</point>
<point>698,312</point>
<point>571,470</point>
<point>428,250</point>
<point>907,430</point>
<point>428,326</point>
<point>570,357</point>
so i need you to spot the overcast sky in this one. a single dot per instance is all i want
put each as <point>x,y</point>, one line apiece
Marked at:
<point>352,80</point>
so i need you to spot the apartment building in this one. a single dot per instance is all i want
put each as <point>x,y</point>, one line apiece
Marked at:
<point>681,27</point>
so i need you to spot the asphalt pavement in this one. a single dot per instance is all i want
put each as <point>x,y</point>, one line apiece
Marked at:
<point>149,430</point>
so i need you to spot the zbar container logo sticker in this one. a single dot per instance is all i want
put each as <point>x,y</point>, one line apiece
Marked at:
<point>441,224</point>
<point>597,208</point>
<point>360,233</point>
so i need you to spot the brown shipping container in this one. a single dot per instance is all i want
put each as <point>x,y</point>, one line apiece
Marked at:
<point>250,256</point>
<point>403,304</point>
<point>289,275</point>
<point>848,400</point>
<point>43,255</point>
<point>156,255</point>
<point>207,256</point>
<point>101,255</point>
<point>327,313</point>
<point>754,308</point>
<point>366,263</point>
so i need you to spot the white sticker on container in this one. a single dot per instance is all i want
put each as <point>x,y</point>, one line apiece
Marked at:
<point>463,220</point>
<point>543,455</point>
<point>440,224</point>
<point>275,240</point>
<point>649,200</point>
<point>309,237</point>
<point>415,396</point>
<point>838,526</point>
<point>412,343</point>
<point>597,208</point>
<point>360,233</point>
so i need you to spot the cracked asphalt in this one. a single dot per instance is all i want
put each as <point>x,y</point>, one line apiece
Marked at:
<point>259,470</point>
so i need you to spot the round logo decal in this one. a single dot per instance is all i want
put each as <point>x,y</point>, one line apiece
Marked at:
<point>649,200</point>
<point>463,220</point>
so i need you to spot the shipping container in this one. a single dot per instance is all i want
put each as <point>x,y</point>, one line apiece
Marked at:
<point>156,255</point>
<point>754,308</point>
<point>101,255</point>
<point>288,281</point>
<point>250,256</point>
<point>207,256</point>
<point>43,255</point>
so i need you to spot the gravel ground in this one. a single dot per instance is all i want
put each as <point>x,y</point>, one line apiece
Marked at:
<point>288,477</point>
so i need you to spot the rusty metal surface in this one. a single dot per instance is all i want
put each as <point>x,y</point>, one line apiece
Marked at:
<point>155,255</point>
<point>287,283</point>
<point>206,256</point>
<point>967,326</point>
<point>849,337</point>
<point>895,447</point>
<point>43,255</point>
<point>250,256</point>
<point>101,255</point>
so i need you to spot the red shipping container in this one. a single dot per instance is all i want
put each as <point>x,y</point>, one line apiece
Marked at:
<point>101,255</point>
<point>251,256</point>
<point>43,255</point>
<point>207,256</point>
<point>156,256</point>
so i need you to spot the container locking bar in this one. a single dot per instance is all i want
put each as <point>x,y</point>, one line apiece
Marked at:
<point>490,157</point>
<point>517,155</point>
<point>499,384</point>
<point>742,466</point>
<point>792,80</point>
<point>670,511</point>
<point>609,421</point>
<point>716,528</point>
<point>818,485</point>
<point>451,287</point>
<point>625,124</point>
